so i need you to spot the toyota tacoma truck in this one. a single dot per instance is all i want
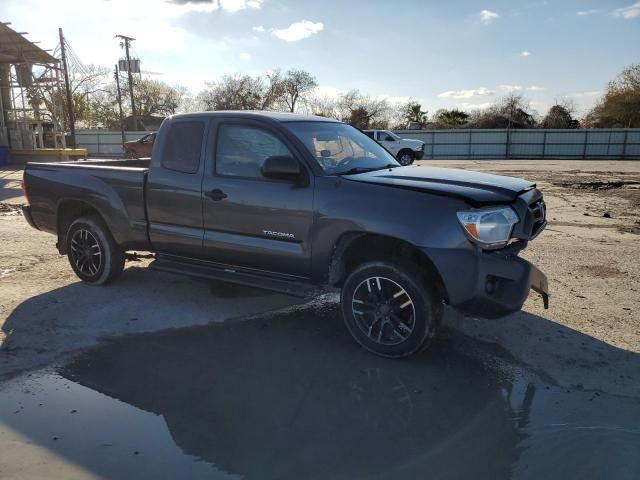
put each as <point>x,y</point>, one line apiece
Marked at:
<point>406,150</point>
<point>300,204</point>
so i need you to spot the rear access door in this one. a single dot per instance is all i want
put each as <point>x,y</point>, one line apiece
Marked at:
<point>251,221</point>
<point>174,188</point>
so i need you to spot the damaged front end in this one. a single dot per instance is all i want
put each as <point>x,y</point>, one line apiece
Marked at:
<point>490,280</point>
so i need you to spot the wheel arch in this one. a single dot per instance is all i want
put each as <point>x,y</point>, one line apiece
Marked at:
<point>405,150</point>
<point>355,248</point>
<point>68,211</point>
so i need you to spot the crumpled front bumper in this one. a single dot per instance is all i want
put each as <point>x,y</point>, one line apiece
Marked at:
<point>487,284</point>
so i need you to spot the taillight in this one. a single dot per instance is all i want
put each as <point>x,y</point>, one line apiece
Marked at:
<point>24,190</point>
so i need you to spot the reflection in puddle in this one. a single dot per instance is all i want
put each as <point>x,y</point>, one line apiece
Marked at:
<point>292,397</point>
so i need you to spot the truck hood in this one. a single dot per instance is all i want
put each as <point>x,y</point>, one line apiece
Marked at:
<point>474,187</point>
<point>413,143</point>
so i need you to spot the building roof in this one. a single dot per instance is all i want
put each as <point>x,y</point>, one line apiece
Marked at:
<point>14,48</point>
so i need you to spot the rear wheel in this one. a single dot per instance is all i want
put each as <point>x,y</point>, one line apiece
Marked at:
<point>406,157</point>
<point>92,252</point>
<point>390,309</point>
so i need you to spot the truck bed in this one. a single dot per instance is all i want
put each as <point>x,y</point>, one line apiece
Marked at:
<point>111,162</point>
<point>114,188</point>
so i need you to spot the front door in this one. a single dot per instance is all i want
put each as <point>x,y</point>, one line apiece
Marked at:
<point>387,141</point>
<point>251,221</point>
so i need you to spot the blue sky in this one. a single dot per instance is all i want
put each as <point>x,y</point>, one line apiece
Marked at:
<point>450,53</point>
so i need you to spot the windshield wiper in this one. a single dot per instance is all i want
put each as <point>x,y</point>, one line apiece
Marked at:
<point>355,170</point>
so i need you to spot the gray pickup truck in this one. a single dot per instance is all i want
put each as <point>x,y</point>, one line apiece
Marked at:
<point>296,204</point>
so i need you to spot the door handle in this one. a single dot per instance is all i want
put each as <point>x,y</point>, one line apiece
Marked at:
<point>216,194</point>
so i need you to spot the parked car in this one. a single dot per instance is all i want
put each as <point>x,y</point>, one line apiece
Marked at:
<point>299,204</point>
<point>404,149</point>
<point>140,148</point>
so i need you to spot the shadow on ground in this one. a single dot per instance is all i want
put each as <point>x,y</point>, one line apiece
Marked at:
<point>289,395</point>
<point>46,327</point>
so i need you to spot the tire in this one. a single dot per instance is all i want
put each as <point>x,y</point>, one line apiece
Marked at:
<point>92,252</point>
<point>389,308</point>
<point>406,157</point>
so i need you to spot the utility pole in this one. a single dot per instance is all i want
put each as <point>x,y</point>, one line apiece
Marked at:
<point>127,41</point>
<point>72,117</point>
<point>117,75</point>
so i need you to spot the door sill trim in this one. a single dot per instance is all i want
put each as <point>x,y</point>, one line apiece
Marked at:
<point>287,284</point>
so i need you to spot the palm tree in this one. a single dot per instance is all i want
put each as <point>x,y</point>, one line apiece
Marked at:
<point>414,113</point>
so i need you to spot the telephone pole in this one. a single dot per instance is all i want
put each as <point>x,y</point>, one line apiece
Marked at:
<point>72,117</point>
<point>117,75</point>
<point>127,40</point>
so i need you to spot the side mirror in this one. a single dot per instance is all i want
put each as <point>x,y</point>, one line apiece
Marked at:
<point>281,167</point>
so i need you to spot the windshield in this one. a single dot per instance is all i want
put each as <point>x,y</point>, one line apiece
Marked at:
<point>391,134</point>
<point>340,148</point>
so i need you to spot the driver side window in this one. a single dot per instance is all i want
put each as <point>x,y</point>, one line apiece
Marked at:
<point>241,150</point>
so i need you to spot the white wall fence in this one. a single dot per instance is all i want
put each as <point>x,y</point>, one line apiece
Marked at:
<point>617,143</point>
<point>102,143</point>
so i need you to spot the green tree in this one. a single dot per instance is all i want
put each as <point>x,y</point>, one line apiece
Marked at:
<point>450,118</point>
<point>620,105</point>
<point>558,116</point>
<point>513,111</point>
<point>413,113</point>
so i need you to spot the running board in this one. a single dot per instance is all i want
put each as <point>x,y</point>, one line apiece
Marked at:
<point>296,288</point>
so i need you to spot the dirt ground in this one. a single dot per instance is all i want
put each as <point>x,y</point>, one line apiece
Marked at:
<point>590,251</point>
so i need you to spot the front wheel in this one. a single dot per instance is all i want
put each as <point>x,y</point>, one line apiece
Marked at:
<point>389,309</point>
<point>406,157</point>
<point>92,252</point>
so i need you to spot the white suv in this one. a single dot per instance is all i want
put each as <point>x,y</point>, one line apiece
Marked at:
<point>404,149</point>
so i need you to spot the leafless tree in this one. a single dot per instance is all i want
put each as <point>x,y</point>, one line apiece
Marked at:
<point>296,85</point>
<point>363,111</point>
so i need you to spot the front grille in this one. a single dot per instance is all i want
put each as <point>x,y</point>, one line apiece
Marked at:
<point>538,215</point>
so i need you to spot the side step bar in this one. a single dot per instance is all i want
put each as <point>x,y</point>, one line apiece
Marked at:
<point>296,288</point>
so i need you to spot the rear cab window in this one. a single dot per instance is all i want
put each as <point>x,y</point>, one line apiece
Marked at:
<point>182,147</point>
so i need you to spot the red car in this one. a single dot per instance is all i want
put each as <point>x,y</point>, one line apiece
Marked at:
<point>140,148</point>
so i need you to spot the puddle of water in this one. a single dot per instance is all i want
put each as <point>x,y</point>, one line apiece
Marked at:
<point>292,397</point>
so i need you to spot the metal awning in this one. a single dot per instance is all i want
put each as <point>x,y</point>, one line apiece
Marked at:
<point>16,49</point>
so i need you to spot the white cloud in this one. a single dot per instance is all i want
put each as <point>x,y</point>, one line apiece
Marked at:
<point>487,16</point>
<point>298,30</point>
<point>245,56</point>
<point>477,92</point>
<point>212,5</point>
<point>327,91</point>
<point>237,5</point>
<point>259,29</point>
<point>535,88</point>
<point>525,53</point>
<point>510,88</point>
<point>593,93</point>
<point>632,11</point>
<point>586,13</point>
<point>474,106</point>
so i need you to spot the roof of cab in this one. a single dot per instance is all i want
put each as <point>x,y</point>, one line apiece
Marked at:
<point>277,116</point>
